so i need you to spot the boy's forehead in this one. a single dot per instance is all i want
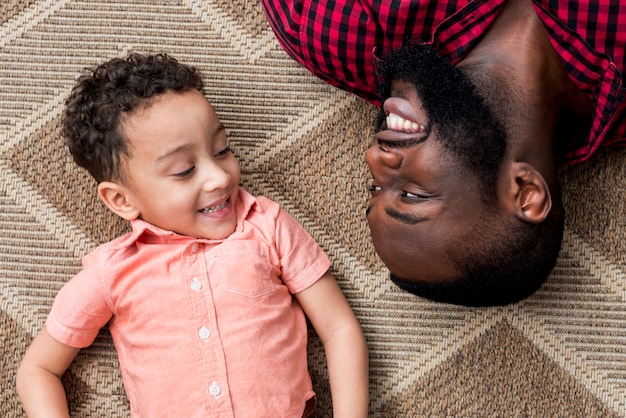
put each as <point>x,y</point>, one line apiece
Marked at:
<point>139,116</point>
<point>170,120</point>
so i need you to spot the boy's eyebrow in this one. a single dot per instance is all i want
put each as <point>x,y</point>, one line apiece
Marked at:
<point>219,128</point>
<point>168,153</point>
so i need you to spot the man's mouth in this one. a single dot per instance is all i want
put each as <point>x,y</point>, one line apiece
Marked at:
<point>397,123</point>
<point>215,208</point>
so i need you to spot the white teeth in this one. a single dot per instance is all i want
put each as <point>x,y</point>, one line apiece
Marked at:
<point>397,123</point>
<point>215,208</point>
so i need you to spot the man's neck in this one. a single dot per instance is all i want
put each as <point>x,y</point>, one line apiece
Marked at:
<point>516,51</point>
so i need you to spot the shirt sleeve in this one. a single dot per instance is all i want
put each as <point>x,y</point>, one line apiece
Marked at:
<point>303,261</point>
<point>80,308</point>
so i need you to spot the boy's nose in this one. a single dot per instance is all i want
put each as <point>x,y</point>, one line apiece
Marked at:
<point>216,178</point>
<point>378,154</point>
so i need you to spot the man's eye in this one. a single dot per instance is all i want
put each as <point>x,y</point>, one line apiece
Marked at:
<point>185,173</point>
<point>410,195</point>
<point>373,188</point>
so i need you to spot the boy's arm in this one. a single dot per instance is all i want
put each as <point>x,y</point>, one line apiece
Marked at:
<point>39,377</point>
<point>346,349</point>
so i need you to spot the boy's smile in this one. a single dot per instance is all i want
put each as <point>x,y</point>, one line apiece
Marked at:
<point>180,174</point>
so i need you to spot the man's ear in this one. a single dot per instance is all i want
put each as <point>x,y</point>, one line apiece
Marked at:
<point>531,201</point>
<point>115,196</point>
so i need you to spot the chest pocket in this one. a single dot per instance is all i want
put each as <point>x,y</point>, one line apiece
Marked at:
<point>245,268</point>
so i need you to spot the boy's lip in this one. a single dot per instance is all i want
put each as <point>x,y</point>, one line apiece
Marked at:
<point>217,205</point>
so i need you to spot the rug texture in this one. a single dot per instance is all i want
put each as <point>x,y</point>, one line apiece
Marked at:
<point>560,353</point>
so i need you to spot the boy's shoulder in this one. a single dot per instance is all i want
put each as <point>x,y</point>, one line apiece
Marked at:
<point>115,245</point>
<point>140,230</point>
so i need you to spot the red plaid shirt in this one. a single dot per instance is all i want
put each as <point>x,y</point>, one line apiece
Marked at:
<point>339,40</point>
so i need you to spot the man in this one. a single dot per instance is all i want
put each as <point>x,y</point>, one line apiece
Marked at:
<point>478,107</point>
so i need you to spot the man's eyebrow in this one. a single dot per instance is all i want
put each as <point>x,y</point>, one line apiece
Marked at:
<point>406,218</point>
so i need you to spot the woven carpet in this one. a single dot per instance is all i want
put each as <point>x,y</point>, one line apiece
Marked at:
<point>560,353</point>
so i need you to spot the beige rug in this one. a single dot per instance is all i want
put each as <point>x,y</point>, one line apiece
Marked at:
<point>561,353</point>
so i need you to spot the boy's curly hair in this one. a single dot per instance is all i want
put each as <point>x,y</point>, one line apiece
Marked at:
<point>91,123</point>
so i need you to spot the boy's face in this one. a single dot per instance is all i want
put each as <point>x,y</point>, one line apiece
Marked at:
<point>181,175</point>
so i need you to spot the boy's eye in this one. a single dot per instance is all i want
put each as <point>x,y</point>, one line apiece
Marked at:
<point>185,173</point>
<point>223,152</point>
<point>373,188</point>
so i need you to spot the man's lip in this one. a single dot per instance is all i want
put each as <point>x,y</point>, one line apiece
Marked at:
<point>401,121</point>
<point>402,108</point>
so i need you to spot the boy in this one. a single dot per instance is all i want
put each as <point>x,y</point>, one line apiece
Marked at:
<point>199,297</point>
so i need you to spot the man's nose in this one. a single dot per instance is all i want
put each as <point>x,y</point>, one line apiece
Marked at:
<point>378,154</point>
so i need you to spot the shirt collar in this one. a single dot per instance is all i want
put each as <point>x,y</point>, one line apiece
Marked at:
<point>148,233</point>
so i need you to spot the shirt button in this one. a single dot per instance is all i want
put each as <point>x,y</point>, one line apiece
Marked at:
<point>194,248</point>
<point>215,389</point>
<point>204,333</point>
<point>196,284</point>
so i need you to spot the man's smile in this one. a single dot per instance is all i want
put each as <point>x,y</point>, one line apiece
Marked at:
<point>398,123</point>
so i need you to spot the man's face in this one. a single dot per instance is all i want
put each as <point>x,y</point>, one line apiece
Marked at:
<point>423,204</point>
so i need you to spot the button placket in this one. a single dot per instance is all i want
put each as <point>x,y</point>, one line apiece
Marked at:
<point>201,297</point>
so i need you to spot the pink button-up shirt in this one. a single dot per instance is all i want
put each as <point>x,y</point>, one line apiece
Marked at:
<point>202,328</point>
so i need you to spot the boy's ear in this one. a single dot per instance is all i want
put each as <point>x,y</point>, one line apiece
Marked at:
<point>531,200</point>
<point>115,196</point>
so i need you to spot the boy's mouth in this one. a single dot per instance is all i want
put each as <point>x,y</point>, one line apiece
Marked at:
<point>215,208</point>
